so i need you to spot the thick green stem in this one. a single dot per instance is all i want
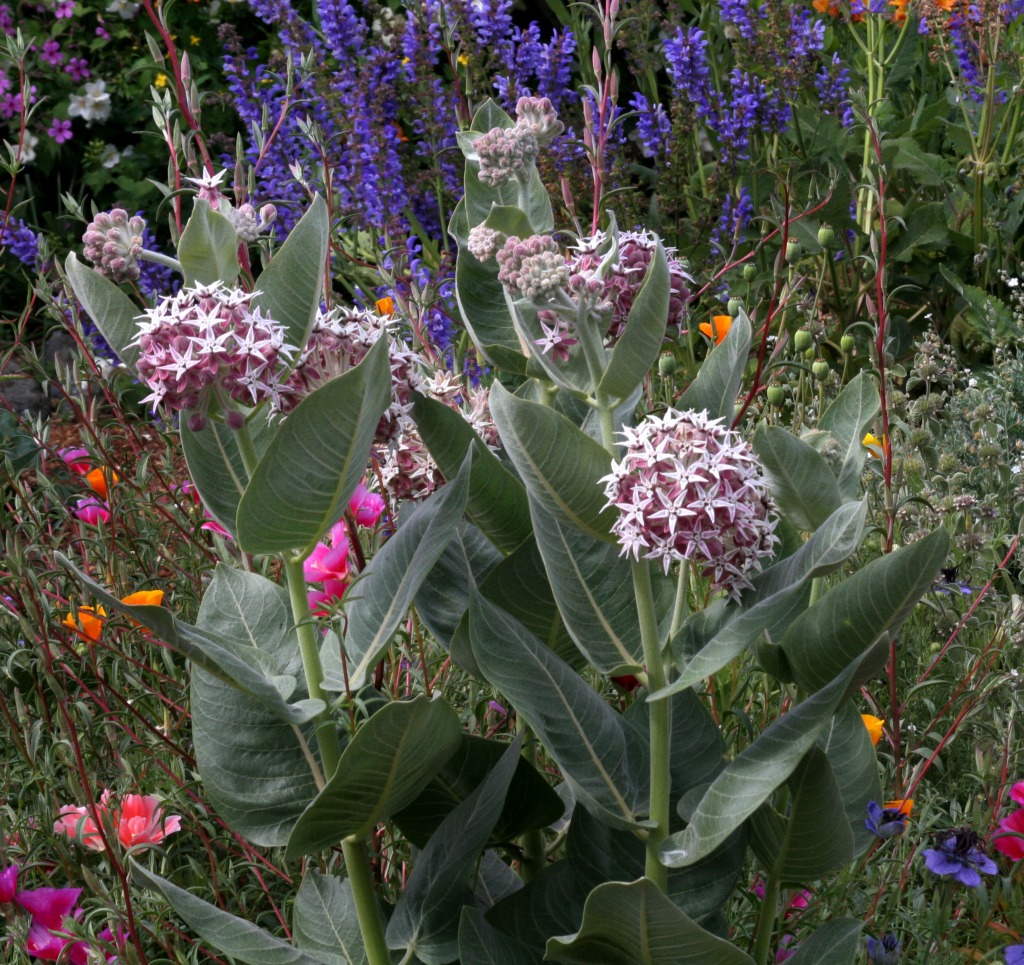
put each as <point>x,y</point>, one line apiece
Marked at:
<point>357,863</point>
<point>326,738</point>
<point>160,259</point>
<point>660,725</point>
<point>534,852</point>
<point>766,920</point>
<point>682,603</point>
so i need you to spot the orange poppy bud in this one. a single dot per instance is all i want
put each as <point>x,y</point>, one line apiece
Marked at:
<point>99,480</point>
<point>386,306</point>
<point>904,805</point>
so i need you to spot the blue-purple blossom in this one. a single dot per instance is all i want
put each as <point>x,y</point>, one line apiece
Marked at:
<point>20,241</point>
<point>833,86</point>
<point>1015,955</point>
<point>885,822</point>
<point>884,951</point>
<point>959,855</point>
<point>736,215</point>
<point>652,124</point>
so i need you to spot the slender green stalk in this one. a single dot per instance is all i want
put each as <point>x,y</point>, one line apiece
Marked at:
<point>766,920</point>
<point>534,851</point>
<point>357,863</point>
<point>682,603</point>
<point>660,725</point>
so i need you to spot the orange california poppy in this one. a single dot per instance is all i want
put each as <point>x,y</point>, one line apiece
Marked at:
<point>88,624</point>
<point>874,726</point>
<point>904,805</point>
<point>386,306</point>
<point>144,598</point>
<point>99,479</point>
<point>717,328</point>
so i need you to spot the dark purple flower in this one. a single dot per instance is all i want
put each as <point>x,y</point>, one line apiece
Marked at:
<point>51,53</point>
<point>959,855</point>
<point>884,951</point>
<point>885,822</point>
<point>59,130</point>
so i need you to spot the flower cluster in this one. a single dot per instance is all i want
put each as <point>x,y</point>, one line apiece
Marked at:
<point>205,342</point>
<point>136,820</point>
<point>533,268</point>
<point>504,153</point>
<point>958,854</point>
<point>689,489</point>
<point>113,243</point>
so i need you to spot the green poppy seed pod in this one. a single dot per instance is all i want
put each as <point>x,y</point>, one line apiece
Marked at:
<point>734,307</point>
<point>803,340</point>
<point>792,251</point>
<point>820,370</point>
<point>826,236</point>
<point>847,342</point>
<point>810,353</point>
<point>749,271</point>
<point>776,395</point>
<point>667,365</point>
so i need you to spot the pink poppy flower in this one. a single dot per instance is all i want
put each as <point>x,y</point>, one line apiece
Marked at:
<point>140,820</point>
<point>1017,792</point>
<point>328,564</point>
<point>49,906</point>
<point>77,459</point>
<point>92,510</point>
<point>1011,841</point>
<point>79,824</point>
<point>367,507</point>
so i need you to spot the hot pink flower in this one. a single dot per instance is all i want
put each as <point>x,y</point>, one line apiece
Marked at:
<point>1017,792</point>
<point>77,459</point>
<point>140,820</point>
<point>8,884</point>
<point>367,507</point>
<point>49,906</point>
<point>328,564</point>
<point>92,510</point>
<point>1011,841</point>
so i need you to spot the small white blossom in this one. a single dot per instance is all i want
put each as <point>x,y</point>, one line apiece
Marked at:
<point>91,105</point>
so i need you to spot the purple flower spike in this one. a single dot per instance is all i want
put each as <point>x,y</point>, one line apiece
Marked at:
<point>959,855</point>
<point>885,822</point>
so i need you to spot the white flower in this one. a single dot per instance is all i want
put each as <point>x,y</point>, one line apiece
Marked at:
<point>26,153</point>
<point>1012,282</point>
<point>93,105</point>
<point>123,8</point>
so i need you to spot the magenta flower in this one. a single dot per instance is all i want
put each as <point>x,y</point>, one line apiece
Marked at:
<point>92,510</point>
<point>78,68</point>
<point>367,507</point>
<point>64,9</point>
<point>49,906</point>
<point>8,884</point>
<point>1017,792</point>
<point>51,53</point>
<point>328,565</point>
<point>141,821</point>
<point>78,459</point>
<point>59,130</point>
<point>1010,840</point>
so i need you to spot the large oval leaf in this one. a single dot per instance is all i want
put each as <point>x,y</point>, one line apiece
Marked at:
<point>326,922</point>
<point>847,419</point>
<point>718,382</point>
<point>208,247</point>
<point>315,461</point>
<point>110,309</point>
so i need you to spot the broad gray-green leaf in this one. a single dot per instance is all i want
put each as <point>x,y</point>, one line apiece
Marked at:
<point>832,943</point>
<point>852,616</point>
<point>218,655</point>
<point>426,917</point>
<point>215,464</point>
<point>315,461</point>
<point>236,937</point>
<point>848,418</point>
<point>581,732</point>
<point>110,309</point>
<point>638,348</point>
<point>749,780</point>
<point>855,765</point>
<point>386,765</point>
<point>208,247</point>
<point>560,465</point>
<point>480,944</point>
<point>290,284</point>
<point>385,590</point>
<point>798,476</point>
<point>721,373</point>
<point>326,924</point>
<point>777,594</point>
<point>635,924</point>
<point>497,500</point>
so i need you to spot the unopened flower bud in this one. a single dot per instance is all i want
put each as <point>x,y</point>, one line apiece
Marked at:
<point>484,242</point>
<point>504,152</point>
<point>793,250</point>
<point>734,307</point>
<point>667,365</point>
<point>538,115</point>
<point>826,236</point>
<point>776,395</point>
<point>533,269</point>
<point>113,243</point>
<point>803,340</point>
<point>749,271</point>
<point>847,342</point>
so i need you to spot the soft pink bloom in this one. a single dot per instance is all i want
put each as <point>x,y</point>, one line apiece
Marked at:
<point>1017,792</point>
<point>79,824</point>
<point>328,564</point>
<point>92,510</point>
<point>64,8</point>
<point>8,884</point>
<point>367,507</point>
<point>140,820</point>
<point>1011,841</point>
<point>77,459</point>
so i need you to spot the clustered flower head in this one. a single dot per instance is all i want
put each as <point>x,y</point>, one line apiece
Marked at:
<point>209,341</point>
<point>484,242</point>
<point>689,489</point>
<point>538,115</point>
<point>533,268</point>
<point>958,854</point>
<point>249,223</point>
<point>113,242</point>
<point>504,153</point>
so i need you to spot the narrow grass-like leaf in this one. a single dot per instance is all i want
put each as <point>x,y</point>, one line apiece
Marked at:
<point>392,757</point>
<point>315,461</point>
<point>208,247</point>
<point>110,309</point>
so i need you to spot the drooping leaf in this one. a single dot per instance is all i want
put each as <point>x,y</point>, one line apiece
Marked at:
<point>208,247</point>
<point>718,381</point>
<point>388,762</point>
<point>481,944</point>
<point>315,461</point>
<point>581,732</point>
<point>832,943</point>
<point>497,500</point>
<point>326,925</point>
<point>291,283</point>
<point>847,418</point>
<point>426,918</point>
<point>110,309</point>
<point>381,598</point>
<point>635,924</point>
<point>236,937</point>
<point>852,616</point>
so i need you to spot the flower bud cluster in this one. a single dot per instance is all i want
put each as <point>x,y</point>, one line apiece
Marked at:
<point>205,340</point>
<point>538,115</point>
<point>484,242</point>
<point>504,152</point>
<point>113,242</point>
<point>248,224</point>
<point>688,489</point>
<point>533,269</point>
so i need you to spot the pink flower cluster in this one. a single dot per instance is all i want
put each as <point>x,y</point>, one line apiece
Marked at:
<point>689,489</point>
<point>49,910</point>
<point>209,341</point>
<point>113,241</point>
<point>1011,839</point>
<point>136,819</point>
<point>328,564</point>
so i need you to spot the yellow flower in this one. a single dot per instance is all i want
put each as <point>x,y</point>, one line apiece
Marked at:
<point>717,328</point>
<point>161,81</point>
<point>89,623</point>
<point>873,444</point>
<point>194,40</point>
<point>874,726</point>
<point>463,60</point>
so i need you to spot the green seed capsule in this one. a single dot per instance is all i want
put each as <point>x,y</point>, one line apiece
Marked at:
<point>847,342</point>
<point>667,365</point>
<point>734,307</point>
<point>826,236</point>
<point>776,395</point>
<point>803,340</point>
<point>749,271</point>
<point>793,250</point>
<point>820,369</point>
